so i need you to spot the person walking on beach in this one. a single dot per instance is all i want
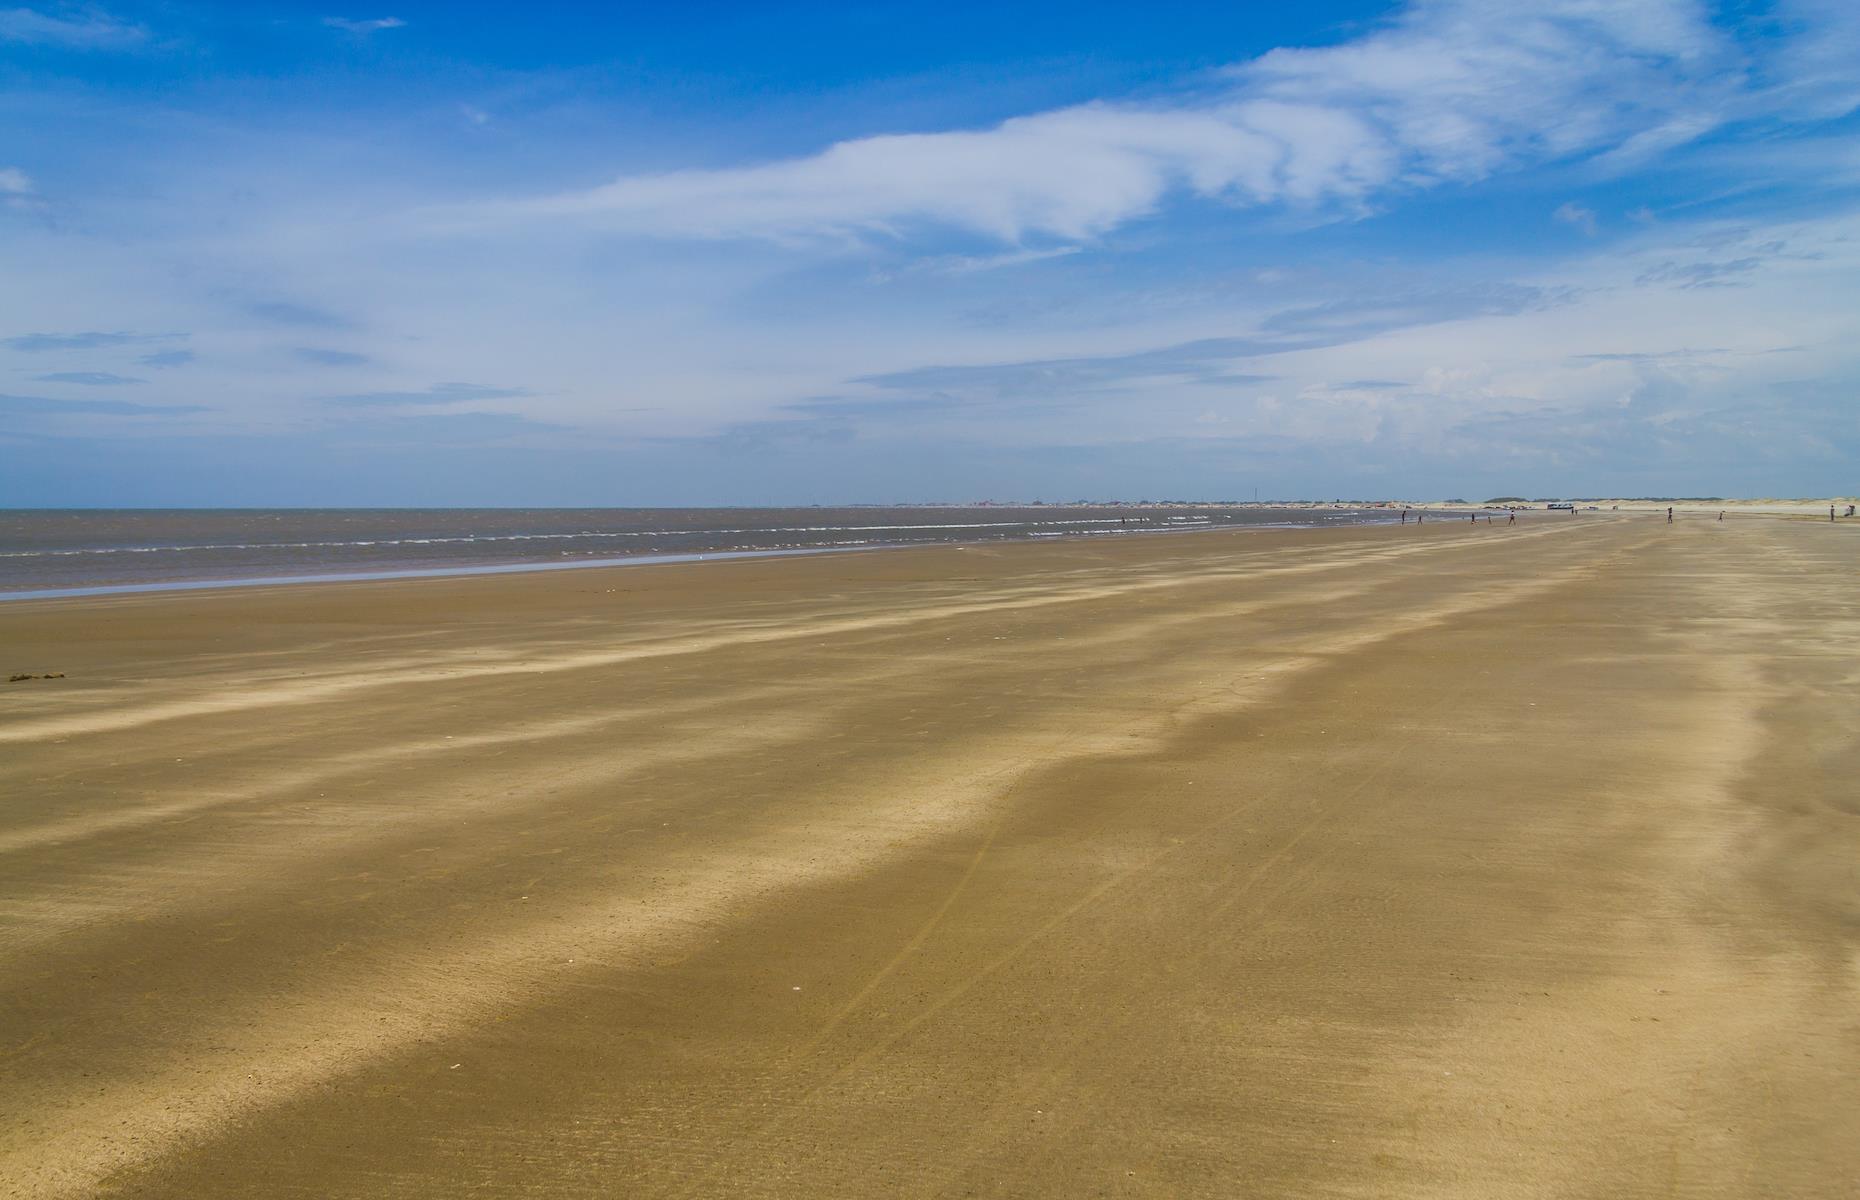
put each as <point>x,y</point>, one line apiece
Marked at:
<point>1404,516</point>
<point>1511,518</point>
<point>1669,514</point>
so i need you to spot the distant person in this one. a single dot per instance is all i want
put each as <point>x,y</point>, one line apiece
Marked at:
<point>1669,514</point>
<point>1511,518</point>
<point>1404,516</point>
<point>1721,515</point>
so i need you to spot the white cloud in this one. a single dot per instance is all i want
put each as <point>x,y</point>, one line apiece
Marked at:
<point>371,25</point>
<point>1579,215</point>
<point>17,192</point>
<point>92,30</point>
<point>1450,91</point>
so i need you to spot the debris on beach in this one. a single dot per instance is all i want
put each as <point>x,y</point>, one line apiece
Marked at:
<point>24,677</point>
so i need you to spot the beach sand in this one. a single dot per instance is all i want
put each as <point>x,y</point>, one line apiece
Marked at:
<point>1459,861</point>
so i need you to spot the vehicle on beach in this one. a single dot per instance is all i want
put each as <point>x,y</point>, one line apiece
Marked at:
<point>1561,506</point>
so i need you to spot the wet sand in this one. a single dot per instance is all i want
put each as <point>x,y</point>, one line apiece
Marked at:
<point>1452,861</point>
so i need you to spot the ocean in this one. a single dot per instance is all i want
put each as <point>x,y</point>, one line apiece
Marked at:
<point>79,551</point>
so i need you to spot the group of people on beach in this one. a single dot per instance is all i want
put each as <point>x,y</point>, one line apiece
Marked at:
<point>1511,518</point>
<point>1669,513</point>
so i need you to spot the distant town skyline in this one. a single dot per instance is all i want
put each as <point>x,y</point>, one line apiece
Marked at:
<point>277,254</point>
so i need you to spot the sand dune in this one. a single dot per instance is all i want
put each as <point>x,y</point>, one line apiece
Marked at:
<point>1460,860</point>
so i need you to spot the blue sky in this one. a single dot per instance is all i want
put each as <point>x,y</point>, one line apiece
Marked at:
<point>785,253</point>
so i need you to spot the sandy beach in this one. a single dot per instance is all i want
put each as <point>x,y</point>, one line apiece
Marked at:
<point>1452,861</point>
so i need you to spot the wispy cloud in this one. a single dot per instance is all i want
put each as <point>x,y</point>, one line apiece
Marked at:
<point>1201,359</point>
<point>364,25</point>
<point>88,378</point>
<point>331,358</point>
<point>1337,321</point>
<point>16,190</point>
<point>1579,215</point>
<point>1701,274</point>
<point>83,29</point>
<point>964,264</point>
<point>34,343</point>
<point>438,393</point>
<point>463,428</point>
<point>1448,91</point>
<point>45,406</point>
<point>1645,356</point>
<point>167,358</point>
<point>288,312</point>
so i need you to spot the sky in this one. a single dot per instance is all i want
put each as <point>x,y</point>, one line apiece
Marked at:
<point>785,253</point>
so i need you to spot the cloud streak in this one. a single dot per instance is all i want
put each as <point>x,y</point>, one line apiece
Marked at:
<point>330,358</point>
<point>363,27</point>
<point>1701,274</point>
<point>90,30</point>
<point>45,406</point>
<point>287,312</point>
<point>438,393</point>
<point>38,343</point>
<point>87,378</point>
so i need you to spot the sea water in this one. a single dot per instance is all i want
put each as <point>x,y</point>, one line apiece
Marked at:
<point>77,551</point>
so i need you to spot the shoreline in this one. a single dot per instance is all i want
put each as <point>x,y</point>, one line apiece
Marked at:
<point>1371,514</point>
<point>462,571</point>
<point>477,569</point>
